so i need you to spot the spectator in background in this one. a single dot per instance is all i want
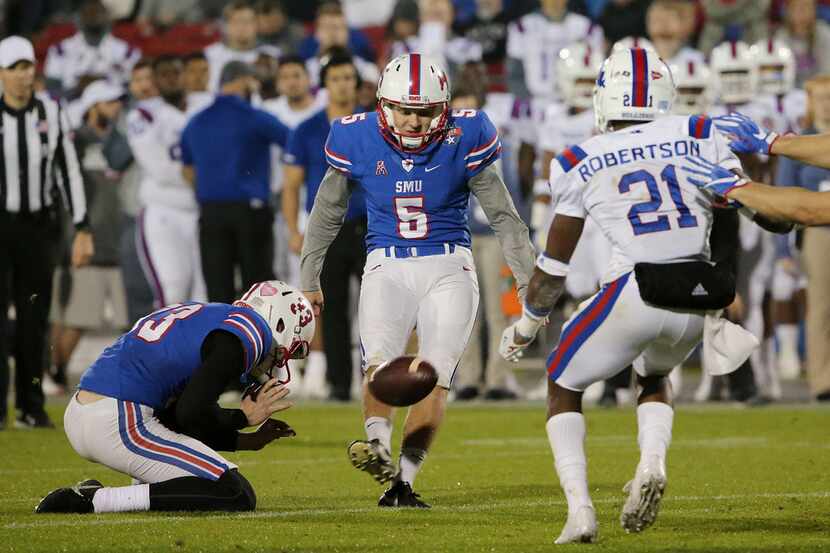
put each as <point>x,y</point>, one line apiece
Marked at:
<point>139,294</point>
<point>168,223</point>
<point>723,16</point>
<point>266,70</point>
<point>333,35</point>
<point>305,165</point>
<point>669,31</point>
<point>489,30</point>
<point>90,54</point>
<point>295,104</point>
<point>490,318</point>
<point>331,29</point>
<point>816,244</point>
<point>623,18</point>
<point>240,41</point>
<point>226,151</point>
<point>195,80</point>
<point>808,38</point>
<point>426,27</point>
<point>367,13</point>
<point>166,13</point>
<point>533,45</point>
<point>92,285</point>
<point>275,29</point>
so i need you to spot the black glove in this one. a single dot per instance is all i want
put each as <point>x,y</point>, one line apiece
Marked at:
<point>270,430</point>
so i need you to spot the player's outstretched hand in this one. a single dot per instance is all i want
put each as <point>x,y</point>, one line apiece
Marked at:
<point>712,178</point>
<point>316,301</point>
<point>269,431</point>
<point>747,137</point>
<point>513,344</point>
<point>261,403</point>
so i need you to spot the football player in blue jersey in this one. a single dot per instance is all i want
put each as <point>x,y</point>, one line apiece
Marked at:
<point>416,163</point>
<point>174,364</point>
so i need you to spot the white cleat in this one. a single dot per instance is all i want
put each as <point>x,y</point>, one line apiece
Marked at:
<point>644,494</point>
<point>373,458</point>
<point>581,527</point>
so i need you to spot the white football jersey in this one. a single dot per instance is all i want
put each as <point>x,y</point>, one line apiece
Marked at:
<point>561,128</point>
<point>290,118</point>
<point>154,130</point>
<point>536,41</point>
<point>69,59</point>
<point>630,183</point>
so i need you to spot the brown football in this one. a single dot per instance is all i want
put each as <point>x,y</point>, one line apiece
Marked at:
<point>403,381</point>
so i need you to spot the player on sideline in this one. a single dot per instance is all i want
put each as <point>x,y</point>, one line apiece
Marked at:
<point>417,164</point>
<point>626,180</point>
<point>174,364</point>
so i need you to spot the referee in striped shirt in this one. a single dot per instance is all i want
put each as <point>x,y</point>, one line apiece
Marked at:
<point>37,163</point>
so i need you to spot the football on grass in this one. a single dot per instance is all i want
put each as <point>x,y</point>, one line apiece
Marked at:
<point>403,381</point>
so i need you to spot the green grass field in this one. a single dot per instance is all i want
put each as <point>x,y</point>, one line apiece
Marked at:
<point>739,480</point>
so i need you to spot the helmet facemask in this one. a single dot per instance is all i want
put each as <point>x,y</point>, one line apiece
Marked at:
<point>413,140</point>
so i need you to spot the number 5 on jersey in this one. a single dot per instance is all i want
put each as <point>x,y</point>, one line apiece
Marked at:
<point>413,223</point>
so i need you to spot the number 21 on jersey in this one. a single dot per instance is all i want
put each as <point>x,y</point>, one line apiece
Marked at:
<point>669,176</point>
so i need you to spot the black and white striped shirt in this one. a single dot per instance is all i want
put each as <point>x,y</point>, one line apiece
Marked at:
<point>38,155</point>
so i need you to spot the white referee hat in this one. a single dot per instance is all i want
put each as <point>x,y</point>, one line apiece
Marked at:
<point>14,49</point>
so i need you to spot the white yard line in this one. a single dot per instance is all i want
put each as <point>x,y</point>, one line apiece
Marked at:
<point>102,520</point>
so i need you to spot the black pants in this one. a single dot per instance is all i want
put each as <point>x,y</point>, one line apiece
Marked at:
<point>232,234</point>
<point>28,249</point>
<point>345,257</point>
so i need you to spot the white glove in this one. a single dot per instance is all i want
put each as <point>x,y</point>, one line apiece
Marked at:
<point>513,344</point>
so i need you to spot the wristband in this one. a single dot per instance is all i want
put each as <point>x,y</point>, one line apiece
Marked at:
<point>529,324</point>
<point>552,266</point>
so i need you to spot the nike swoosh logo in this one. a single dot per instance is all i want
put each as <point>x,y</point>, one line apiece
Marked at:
<point>428,169</point>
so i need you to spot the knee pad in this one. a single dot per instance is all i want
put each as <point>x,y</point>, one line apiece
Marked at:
<point>240,491</point>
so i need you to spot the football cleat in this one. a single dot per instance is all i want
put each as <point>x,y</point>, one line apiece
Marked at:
<point>581,527</point>
<point>644,494</point>
<point>372,457</point>
<point>401,495</point>
<point>77,499</point>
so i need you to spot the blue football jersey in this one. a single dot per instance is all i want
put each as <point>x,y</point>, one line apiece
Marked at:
<point>420,198</point>
<point>154,361</point>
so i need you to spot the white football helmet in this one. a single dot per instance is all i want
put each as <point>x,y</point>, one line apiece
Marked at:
<point>633,85</point>
<point>290,318</point>
<point>775,65</point>
<point>735,74</point>
<point>694,87</point>
<point>577,69</point>
<point>416,81</point>
<point>630,42</point>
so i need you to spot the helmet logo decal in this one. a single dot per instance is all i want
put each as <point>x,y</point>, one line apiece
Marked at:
<point>442,79</point>
<point>267,290</point>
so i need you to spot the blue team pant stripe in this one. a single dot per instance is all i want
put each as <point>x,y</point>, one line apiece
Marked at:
<point>583,326</point>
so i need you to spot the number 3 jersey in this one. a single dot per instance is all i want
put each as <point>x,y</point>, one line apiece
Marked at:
<point>419,198</point>
<point>631,185</point>
<point>154,361</point>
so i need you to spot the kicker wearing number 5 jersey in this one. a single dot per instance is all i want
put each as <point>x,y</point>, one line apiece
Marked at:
<point>416,163</point>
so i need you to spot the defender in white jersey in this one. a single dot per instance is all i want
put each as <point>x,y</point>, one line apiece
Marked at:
<point>626,181</point>
<point>168,233</point>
